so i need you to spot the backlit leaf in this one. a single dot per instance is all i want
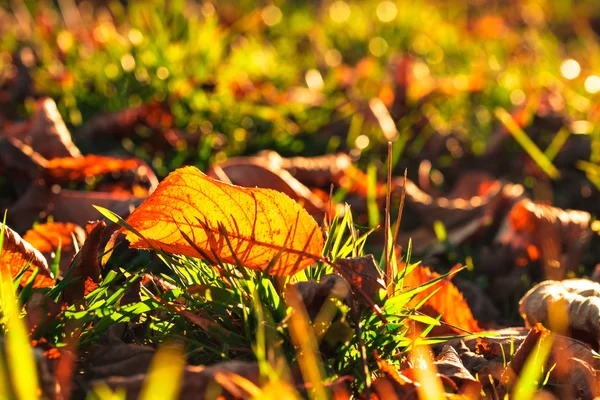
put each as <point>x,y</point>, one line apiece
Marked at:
<point>448,301</point>
<point>194,215</point>
<point>17,254</point>
<point>66,169</point>
<point>49,237</point>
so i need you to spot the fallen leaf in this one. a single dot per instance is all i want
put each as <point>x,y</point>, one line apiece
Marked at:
<point>197,216</point>
<point>449,364</point>
<point>46,132</point>
<point>464,205</point>
<point>393,384</point>
<point>517,363</point>
<point>48,237</point>
<point>68,169</point>
<point>261,172</point>
<point>572,305</point>
<point>364,273</point>
<point>85,269</point>
<point>40,201</point>
<point>314,294</point>
<point>199,382</point>
<point>18,158</point>
<point>554,236</point>
<point>17,254</point>
<point>448,301</point>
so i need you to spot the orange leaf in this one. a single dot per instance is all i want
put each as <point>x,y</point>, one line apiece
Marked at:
<point>47,237</point>
<point>448,301</point>
<point>194,215</point>
<point>17,254</point>
<point>76,169</point>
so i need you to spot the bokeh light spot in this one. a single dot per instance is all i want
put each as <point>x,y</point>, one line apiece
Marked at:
<point>339,11</point>
<point>271,15</point>
<point>378,46</point>
<point>570,69</point>
<point>386,11</point>
<point>592,84</point>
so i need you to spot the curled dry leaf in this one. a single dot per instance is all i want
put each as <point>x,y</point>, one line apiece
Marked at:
<point>68,169</point>
<point>198,382</point>
<point>364,273</point>
<point>466,202</point>
<point>448,363</point>
<point>570,305</point>
<point>393,384</point>
<point>46,132</point>
<point>154,117</point>
<point>17,254</point>
<point>48,237</point>
<point>85,266</point>
<point>572,365</point>
<point>194,215</point>
<point>314,294</point>
<point>554,236</point>
<point>261,172</point>
<point>298,177</point>
<point>448,301</point>
<point>20,160</point>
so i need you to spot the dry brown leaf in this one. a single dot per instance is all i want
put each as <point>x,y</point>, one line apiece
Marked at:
<point>48,237</point>
<point>448,363</point>
<point>570,305</point>
<point>517,363</point>
<point>198,382</point>
<point>364,273</point>
<point>18,158</point>
<point>393,384</point>
<point>85,266</point>
<point>554,236</point>
<point>465,204</point>
<point>46,132</point>
<point>194,215</point>
<point>17,254</point>
<point>68,169</point>
<point>154,119</point>
<point>448,301</point>
<point>261,172</point>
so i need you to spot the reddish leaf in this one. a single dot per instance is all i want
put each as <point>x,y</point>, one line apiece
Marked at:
<point>67,169</point>
<point>448,301</point>
<point>17,254</point>
<point>48,237</point>
<point>194,215</point>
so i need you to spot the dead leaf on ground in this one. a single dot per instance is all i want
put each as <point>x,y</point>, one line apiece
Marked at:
<point>551,235</point>
<point>48,237</point>
<point>68,169</point>
<point>393,384</point>
<point>260,172</point>
<point>18,254</point>
<point>199,382</point>
<point>572,305</point>
<point>314,294</point>
<point>465,203</point>
<point>194,215</point>
<point>20,160</point>
<point>40,201</point>
<point>569,375</point>
<point>85,269</point>
<point>448,301</point>
<point>449,364</point>
<point>364,273</point>
<point>46,132</point>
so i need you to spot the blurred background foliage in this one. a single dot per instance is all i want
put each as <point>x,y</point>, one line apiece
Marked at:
<point>298,77</point>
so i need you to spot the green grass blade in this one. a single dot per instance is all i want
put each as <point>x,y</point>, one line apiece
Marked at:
<point>528,145</point>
